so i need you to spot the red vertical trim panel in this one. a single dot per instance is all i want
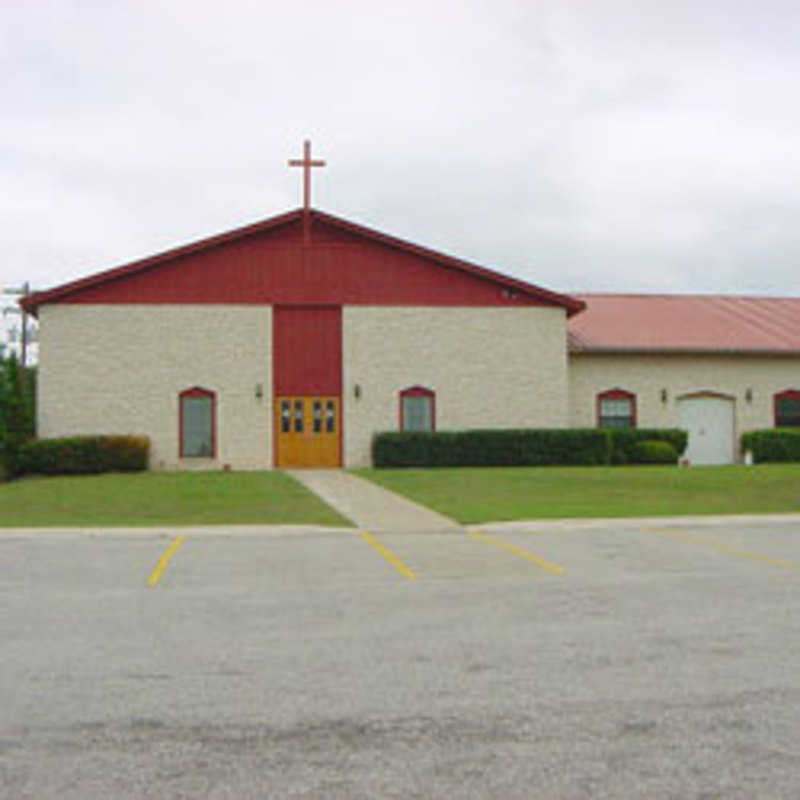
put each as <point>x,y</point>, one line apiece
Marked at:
<point>307,350</point>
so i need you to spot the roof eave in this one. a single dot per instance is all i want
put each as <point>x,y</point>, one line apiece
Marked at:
<point>667,351</point>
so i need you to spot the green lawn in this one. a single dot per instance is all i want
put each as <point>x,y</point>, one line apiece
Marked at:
<point>483,495</point>
<point>162,498</point>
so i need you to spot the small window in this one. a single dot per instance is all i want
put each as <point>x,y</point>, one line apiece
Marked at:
<point>787,409</point>
<point>298,416</point>
<point>318,416</point>
<point>197,423</point>
<point>616,408</point>
<point>417,409</point>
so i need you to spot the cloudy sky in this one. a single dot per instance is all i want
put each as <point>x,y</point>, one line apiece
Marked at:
<point>599,146</point>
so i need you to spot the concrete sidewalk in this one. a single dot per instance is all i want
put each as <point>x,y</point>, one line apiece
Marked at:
<point>370,506</point>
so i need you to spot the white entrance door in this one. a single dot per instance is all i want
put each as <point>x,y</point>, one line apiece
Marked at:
<point>709,420</point>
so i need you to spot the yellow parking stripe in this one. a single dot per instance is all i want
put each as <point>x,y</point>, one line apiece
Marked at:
<point>405,571</point>
<point>165,559</point>
<point>712,544</point>
<point>518,551</point>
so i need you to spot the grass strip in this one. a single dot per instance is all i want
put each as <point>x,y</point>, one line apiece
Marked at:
<point>162,498</point>
<point>476,495</point>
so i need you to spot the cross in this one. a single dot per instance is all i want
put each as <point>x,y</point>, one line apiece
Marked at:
<point>306,162</point>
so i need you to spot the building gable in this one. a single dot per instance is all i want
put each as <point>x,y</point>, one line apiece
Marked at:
<point>279,261</point>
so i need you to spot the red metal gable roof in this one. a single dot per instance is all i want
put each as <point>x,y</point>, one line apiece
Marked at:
<point>270,262</point>
<point>617,323</point>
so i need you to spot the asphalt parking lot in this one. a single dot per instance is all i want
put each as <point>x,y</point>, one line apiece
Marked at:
<point>657,659</point>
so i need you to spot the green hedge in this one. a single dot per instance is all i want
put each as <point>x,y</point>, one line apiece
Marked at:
<point>516,448</point>
<point>773,444</point>
<point>77,455</point>
<point>653,451</point>
<point>624,442</point>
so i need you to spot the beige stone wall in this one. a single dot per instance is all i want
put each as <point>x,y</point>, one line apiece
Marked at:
<point>119,369</point>
<point>646,376</point>
<point>489,367</point>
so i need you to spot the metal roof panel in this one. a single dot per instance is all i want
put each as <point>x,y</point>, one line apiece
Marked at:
<point>686,323</point>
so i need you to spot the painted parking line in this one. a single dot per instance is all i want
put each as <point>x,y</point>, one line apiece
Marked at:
<point>155,577</point>
<point>555,569</point>
<point>404,570</point>
<point>713,544</point>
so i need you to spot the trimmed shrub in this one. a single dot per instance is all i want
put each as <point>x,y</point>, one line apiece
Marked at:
<point>570,446</point>
<point>654,451</point>
<point>518,448</point>
<point>490,448</point>
<point>773,444</point>
<point>79,455</point>
<point>624,442</point>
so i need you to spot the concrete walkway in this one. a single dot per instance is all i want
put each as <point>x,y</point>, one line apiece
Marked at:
<point>368,505</point>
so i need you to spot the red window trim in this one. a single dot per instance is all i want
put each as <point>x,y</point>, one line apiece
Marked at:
<point>418,391</point>
<point>198,391</point>
<point>616,394</point>
<point>786,394</point>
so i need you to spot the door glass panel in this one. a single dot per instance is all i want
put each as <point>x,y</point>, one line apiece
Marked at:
<point>318,416</point>
<point>286,422</point>
<point>330,416</point>
<point>298,416</point>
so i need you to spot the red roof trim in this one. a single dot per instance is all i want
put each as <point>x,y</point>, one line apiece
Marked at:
<point>33,301</point>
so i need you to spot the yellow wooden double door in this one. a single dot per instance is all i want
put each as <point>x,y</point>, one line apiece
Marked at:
<point>307,431</point>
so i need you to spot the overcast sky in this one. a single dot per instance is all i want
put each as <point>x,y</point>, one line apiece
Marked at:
<point>598,146</point>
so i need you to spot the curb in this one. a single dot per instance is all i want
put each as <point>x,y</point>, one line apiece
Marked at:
<point>702,521</point>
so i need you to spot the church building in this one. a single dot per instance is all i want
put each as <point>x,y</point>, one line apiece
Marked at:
<point>292,341</point>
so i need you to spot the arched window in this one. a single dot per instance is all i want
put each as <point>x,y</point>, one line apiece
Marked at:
<point>417,409</point>
<point>198,423</point>
<point>616,408</point>
<point>787,409</point>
